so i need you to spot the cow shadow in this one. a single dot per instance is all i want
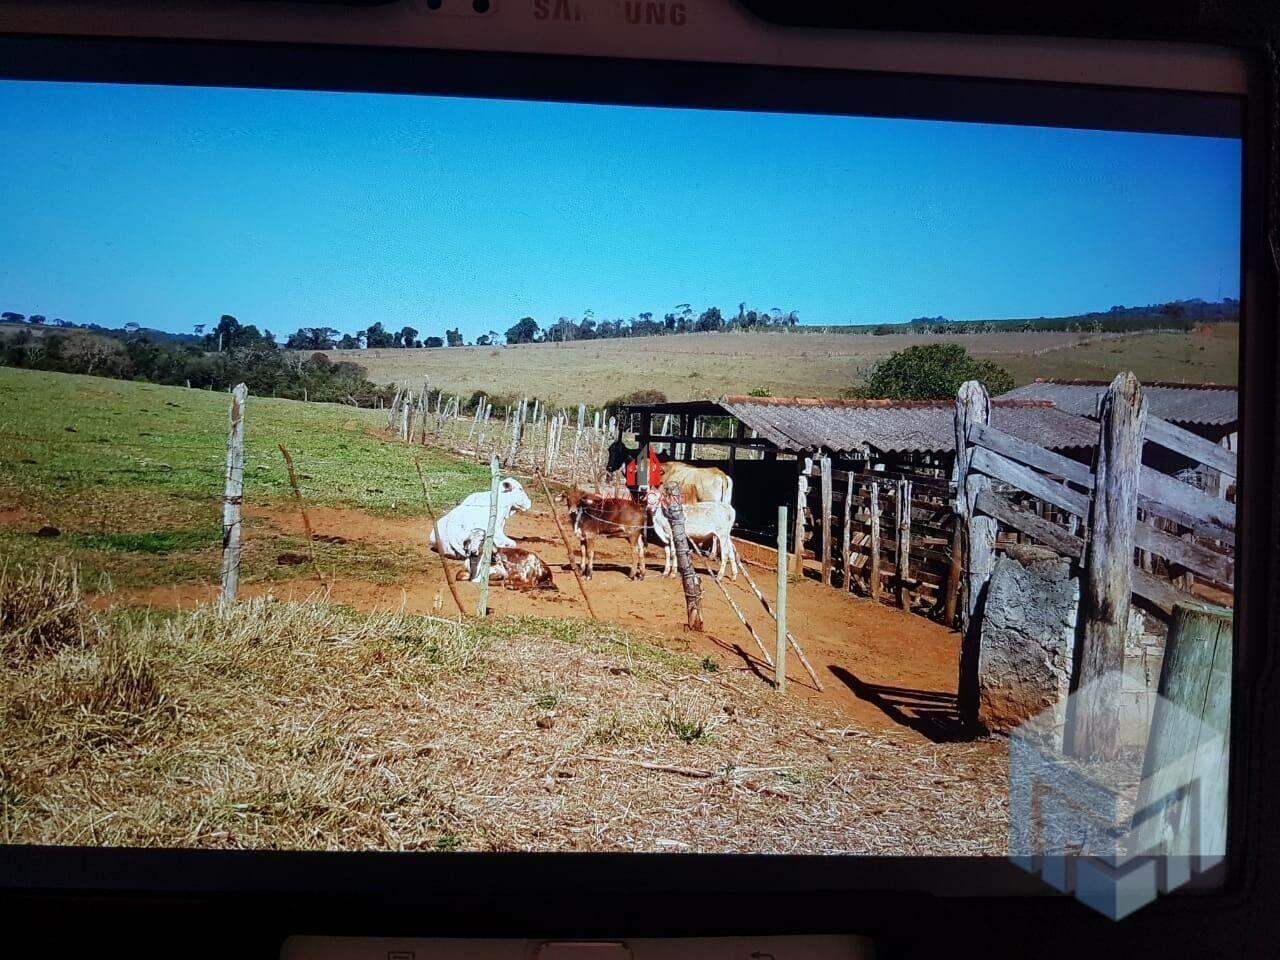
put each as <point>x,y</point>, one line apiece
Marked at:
<point>934,714</point>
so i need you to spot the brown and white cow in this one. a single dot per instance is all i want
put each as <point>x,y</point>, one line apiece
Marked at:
<point>517,568</point>
<point>594,516</point>
<point>697,484</point>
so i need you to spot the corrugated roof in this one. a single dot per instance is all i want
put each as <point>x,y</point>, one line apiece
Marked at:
<point>1210,404</point>
<point>848,426</point>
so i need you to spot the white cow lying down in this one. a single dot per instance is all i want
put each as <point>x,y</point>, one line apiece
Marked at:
<point>473,512</point>
<point>704,521</point>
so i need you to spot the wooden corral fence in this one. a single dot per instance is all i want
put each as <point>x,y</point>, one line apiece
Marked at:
<point>887,535</point>
<point>1188,530</point>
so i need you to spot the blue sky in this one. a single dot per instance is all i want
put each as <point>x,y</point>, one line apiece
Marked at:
<point>169,206</point>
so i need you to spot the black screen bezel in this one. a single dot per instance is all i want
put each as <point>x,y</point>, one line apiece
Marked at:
<point>454,879</point>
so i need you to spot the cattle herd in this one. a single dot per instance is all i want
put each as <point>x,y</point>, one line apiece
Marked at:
<point>709,516</point>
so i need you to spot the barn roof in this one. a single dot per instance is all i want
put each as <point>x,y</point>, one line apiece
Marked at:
<point>800,424</point>
<point>1209,404</point>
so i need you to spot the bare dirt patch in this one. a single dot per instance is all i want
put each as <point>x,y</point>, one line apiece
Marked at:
<point>880,667</point>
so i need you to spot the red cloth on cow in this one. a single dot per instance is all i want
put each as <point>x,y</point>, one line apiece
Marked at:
<point>655,470</point>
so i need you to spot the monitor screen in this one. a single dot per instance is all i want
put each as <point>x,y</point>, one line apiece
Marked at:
<point>389,472</point>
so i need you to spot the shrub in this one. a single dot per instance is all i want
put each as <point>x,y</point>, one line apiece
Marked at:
<point>932,371</point>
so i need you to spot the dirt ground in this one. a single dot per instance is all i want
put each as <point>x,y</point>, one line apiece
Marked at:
<point>879,667</point>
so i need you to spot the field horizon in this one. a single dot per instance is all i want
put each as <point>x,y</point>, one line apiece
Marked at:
<point>693,366</point>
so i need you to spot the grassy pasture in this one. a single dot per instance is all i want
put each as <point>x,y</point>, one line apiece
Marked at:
<point>131,474</point>
<point>692,366</point>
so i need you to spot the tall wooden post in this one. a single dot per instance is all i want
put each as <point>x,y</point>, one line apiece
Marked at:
<point>904,544</point>
<point>802,496</point>
<point>954,573</point>
<point>846,559</point>
<point>1189,742</point>
<point>486,554</point>
<point>874,504</point>
<point>232,497</point>
<point>780,607</point>
<point>673,507</point>
<point>517,416</point>
<point>825,482</point>
<point>1107,587</point>
<point>973,405</point>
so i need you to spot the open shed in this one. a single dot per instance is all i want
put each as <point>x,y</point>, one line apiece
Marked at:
<point>764,442</point>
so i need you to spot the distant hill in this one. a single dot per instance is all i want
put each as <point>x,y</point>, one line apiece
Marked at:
<point>1173,315</point>
<point>9,320</point>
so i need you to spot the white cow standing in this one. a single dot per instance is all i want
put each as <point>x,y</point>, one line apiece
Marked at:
<point>456,525</point>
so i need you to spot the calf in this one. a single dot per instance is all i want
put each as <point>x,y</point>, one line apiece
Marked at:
<point>518,568</point>
<point>704,524</point>
<point>596,516</point>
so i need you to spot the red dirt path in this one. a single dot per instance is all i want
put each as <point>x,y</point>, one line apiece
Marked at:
<point>879,666</point>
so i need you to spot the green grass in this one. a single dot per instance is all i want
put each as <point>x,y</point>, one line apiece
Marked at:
<point>155,541</point>
<point>64,435</point>
<point>132,474</point>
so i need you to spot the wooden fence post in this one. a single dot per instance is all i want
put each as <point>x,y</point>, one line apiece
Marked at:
<point>780,606</point>
<point>673,507</point>
<point>846,559</point>
<point>953,573</point>
<point>875,540</point>
<point>486,554</point>
<point>1107,584</point>
<point>825,466</point>
<point>517,416</point>
<point>233,497</point>
<point>973,405</point>
<point>1189,746</point>
<point>904,544</point>
<point>802,496</point>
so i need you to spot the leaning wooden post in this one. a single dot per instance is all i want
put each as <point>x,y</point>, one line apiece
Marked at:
<point>435,526</point>
<point>825,484</point>
<point>904,544</point>
<point>564,537</point>
<point>673,507</point>
<point>302,509</point>
<point>846,560</point>
<point>1107,584</point>
<point>1189,742</point>
<point>486,554</point>
<point>232,497</point>
<point>973,405</point>
<point>874,509</point>
<point>780,606</point>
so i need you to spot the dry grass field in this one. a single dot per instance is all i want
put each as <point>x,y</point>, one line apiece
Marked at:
<point>692,366</point>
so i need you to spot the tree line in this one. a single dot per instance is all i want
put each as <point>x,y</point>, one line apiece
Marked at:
<point>246,356</point>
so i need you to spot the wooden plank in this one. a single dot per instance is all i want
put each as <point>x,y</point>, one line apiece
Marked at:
<point>1010,446</point>
<point>825,488</point>
<point>1169,497</point>
<point>1162,594</point>
<point>1107,585</point>
<point>1182,797</point>
<point>802,494</point>
<point>1049,534</point>
<point>1188,444</point>
<point>1158,492</point>
<point>1027,480</point>
<point>1216,566</point>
